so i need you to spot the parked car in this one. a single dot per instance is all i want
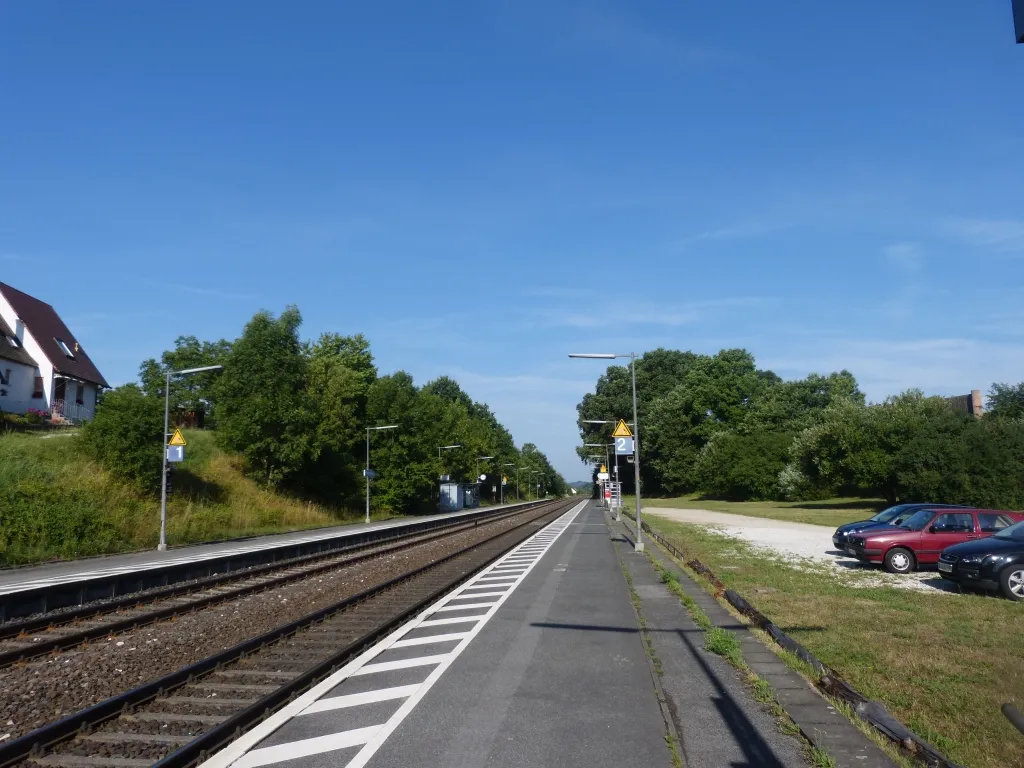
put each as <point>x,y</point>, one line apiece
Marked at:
<point>920,538</point>
<point>893,515</point>
<point>995,563</point>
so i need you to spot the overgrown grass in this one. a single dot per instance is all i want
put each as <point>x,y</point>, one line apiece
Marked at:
<point>943,664</point>
<point>829,512</point>
<point>57,503</point>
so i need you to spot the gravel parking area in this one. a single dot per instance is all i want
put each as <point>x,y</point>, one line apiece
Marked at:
<point>804,545</point>
<point>41,691</point>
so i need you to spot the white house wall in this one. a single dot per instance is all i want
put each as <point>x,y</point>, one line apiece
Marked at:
<point>31,346</point>
<point>19,389</point>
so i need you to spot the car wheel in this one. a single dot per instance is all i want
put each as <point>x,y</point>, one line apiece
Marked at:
<point>1012,582</point>
<point>899,560</point>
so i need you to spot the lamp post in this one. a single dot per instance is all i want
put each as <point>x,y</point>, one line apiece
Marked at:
<point>439,449</point>
<point>367,472</point>
<point>501,483</point>
<point>636,434</point>
<point>536,493</point>
<point>162,546</point>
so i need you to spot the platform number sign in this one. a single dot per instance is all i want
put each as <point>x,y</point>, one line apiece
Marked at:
<point>623,446</point>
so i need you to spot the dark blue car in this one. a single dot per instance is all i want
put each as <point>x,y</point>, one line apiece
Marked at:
<point>890,516</point>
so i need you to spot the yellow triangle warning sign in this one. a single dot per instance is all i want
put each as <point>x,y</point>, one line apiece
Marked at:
<point>176,438</point>
<point>621,430</point>
<point>604,468</point>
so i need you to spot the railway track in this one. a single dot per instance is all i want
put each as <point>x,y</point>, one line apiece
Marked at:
<point>176,720</point>
<point>40,635</point>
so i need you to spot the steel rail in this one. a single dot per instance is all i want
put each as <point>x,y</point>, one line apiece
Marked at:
<point>57,596</point>
<point>63,642</point>
<point>35,743</point>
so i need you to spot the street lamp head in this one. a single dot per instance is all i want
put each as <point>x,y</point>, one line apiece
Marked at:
<point>481,458</point>
<point>196,370</point>
<point>446,447</point>
<point>592,356</point>
<point>389,426</point>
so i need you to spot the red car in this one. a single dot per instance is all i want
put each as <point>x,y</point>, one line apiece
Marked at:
<point>920,538</point>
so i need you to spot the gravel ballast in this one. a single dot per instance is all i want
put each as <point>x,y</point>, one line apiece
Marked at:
<point>41,691</point>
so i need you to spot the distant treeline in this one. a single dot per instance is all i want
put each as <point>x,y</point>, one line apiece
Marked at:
<point>297,413</point>
<point>720,426</point>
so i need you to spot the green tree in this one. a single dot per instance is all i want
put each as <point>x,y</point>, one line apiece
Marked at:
<point>188,393</point>
<point>742,467</point>
<point>1006,401</point>
<point>125,436</point>
<point>265,411</point>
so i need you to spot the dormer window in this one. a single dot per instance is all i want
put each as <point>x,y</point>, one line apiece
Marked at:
<point>65,349</point>
<point>12,341</point>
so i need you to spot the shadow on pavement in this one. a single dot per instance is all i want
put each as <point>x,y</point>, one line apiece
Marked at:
<point>756,750</point>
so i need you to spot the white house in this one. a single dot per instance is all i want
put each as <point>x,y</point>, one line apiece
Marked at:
<point>42,364</point>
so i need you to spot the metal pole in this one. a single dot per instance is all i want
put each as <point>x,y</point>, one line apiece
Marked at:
<point>636,459</point>
<point>367,475</point>
<point>618,486</point>
<point>162,546</point>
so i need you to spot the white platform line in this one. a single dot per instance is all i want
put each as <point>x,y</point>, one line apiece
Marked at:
<point>480,594</point>
<point>306,747</point>
<point>358,699</point>
<point>511,577</point>
<point>387,666</point>
<point>371,747</point>
<point>233,754</point>
<point>451,620</point>
<point>445,638</point>
<point>463,607</point>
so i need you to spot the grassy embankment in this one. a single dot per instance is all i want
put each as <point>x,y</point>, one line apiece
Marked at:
<point>56,503</point>
<point>941,663</point>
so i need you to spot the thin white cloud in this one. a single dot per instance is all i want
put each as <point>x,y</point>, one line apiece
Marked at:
<point>615,30</point>
<point>626,314</point>
<point>206,291</point>
<point>884,367</point>
<point>741,230</point>
<point>906,257</point>
<point>999,234</point>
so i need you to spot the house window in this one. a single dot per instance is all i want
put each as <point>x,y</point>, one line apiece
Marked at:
<point>12,341</point>
<point>65,349</point>
<point>5,377</point>
<point>80,395</point>
<point>37,392</point>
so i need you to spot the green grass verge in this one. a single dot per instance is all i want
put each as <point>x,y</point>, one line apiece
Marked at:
<point>57,503</point>
<point>829,512</point>
<point>943,664</point>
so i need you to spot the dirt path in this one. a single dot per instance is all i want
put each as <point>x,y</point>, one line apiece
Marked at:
<point>802,543</point>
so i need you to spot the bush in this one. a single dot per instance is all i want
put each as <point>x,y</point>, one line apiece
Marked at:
<point>36,416</point>
<point>125,437</point>
<point>743,467</point>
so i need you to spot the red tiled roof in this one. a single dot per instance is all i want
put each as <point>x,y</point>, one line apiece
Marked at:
<point>45,325</point>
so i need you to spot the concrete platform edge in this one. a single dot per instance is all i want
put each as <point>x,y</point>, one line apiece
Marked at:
<point>820,723</point>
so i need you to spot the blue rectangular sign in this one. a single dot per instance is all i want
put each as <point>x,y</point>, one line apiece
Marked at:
<point>175,453</point>
<point>623,446</point>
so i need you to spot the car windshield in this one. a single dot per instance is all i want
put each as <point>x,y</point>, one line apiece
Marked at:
<point>889,513</point>
<point>918,520</point>
<point>1014,532</point>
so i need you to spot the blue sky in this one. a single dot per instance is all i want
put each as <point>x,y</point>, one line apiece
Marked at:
<point>483,187</point>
